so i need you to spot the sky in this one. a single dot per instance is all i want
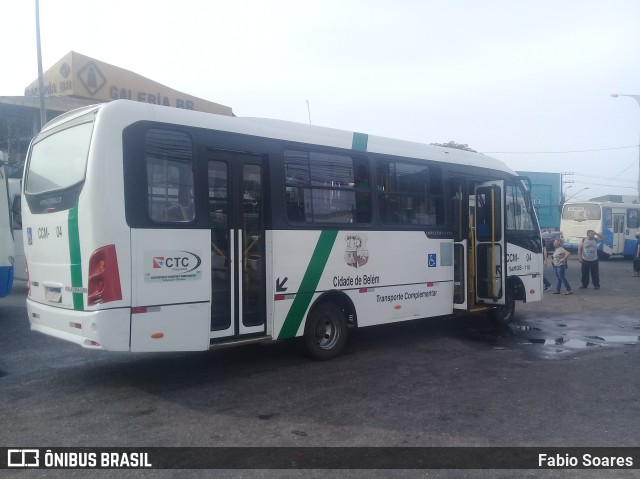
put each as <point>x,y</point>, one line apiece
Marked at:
<point>528,82</point>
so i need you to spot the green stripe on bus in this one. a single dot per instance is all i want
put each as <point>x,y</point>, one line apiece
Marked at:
<point>75,258</point>
<point>359,142</point>
<point>309,284</point>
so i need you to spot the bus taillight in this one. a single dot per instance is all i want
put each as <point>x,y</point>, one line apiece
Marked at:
<point>104,276</point>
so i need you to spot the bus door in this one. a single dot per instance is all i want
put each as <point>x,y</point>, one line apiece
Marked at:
<point>489,243</point>
<point>457,192</point>
<point>618,233</point>
<point>236,205</point>
<point>6,239</point>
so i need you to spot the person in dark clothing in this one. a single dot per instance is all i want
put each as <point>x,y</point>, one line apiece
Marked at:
<point>588,257</point>
<point>547,283</point>
<point>636,256</point>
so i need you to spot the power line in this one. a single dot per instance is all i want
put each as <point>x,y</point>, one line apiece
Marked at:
<point>605,178</point>
<point>607,185</point>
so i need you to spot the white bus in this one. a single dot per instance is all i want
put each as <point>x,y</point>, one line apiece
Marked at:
<point>617,222</point>
<point>6,238</point>
<point>150,228</point>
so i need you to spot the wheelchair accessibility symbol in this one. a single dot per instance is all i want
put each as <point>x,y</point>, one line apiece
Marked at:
<point>431,261</point>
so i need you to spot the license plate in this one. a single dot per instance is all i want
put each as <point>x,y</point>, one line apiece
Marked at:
<point>54,295</point>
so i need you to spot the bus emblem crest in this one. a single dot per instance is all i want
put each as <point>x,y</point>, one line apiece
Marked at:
<point>356,254</point>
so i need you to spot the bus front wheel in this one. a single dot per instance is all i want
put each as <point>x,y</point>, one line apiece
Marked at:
<point>504,314</point>
<point>325,333</point>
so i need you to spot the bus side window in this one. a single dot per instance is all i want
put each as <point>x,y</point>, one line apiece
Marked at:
<point>608,218</point>
<point>633,219</point>
<point>174,212</point>
<point>295,204</point>
<point>363,191</point>
<point>409,193</point>
<point>169,176</point>
<point>326,188</point>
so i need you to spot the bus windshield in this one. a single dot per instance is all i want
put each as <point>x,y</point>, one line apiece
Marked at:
<point>59,160</point>
<point>581,212</point>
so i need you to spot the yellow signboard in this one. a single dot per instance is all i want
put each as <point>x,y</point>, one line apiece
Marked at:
<point>83,77</point>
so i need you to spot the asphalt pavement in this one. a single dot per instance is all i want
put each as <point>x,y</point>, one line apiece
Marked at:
<point>565,373</point>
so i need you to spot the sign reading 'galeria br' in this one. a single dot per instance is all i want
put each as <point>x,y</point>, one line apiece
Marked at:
<point>79,76</point>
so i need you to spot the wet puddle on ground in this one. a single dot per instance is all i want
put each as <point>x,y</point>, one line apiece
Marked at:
<point>556,337</point>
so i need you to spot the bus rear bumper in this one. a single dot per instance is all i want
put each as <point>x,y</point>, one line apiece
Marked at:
<point>85,328</point>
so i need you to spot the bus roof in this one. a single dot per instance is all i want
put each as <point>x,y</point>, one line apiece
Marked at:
<point>287,131</point>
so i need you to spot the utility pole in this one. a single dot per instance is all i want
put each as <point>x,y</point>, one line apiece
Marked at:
<point>637,99</point>
<point>43,111</point>
<point>562,183</point>
<point>309,111</point>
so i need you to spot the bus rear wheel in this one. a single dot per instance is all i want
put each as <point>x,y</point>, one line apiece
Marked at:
<point>325,333</point>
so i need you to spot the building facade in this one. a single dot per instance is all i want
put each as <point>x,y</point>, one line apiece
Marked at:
<point>546,196</point>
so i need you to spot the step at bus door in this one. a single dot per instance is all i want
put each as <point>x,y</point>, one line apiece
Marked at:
<point>489,243</point>
<point>236,205</point>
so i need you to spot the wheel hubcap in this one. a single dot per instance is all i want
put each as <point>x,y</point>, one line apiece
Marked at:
<point>326,333</point>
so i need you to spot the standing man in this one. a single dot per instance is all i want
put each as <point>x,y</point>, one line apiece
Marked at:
<point>588,256</point>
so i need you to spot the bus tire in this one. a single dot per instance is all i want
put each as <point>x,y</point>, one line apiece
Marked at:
<point>325,333</point>
<point>502,315</point>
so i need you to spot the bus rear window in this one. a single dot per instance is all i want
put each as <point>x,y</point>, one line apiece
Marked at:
<point>59,160</point>
<point>581,212</point>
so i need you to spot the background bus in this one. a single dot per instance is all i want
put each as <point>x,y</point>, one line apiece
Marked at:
<point>150,228</point>
<point>15,211</point>
<point>617,222</point>
<point>6,237</point>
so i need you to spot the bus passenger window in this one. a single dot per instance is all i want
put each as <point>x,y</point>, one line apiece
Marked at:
<point>363,194</point>
<point>295,204</point>
<point>409,194</point>
<point>326,188</point>
<point>169,176</point>
<point>608,217</point>
<point>633,218</point>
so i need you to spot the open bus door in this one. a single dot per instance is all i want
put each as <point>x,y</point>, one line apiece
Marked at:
<point>461,257</point>
<point>489,243</point>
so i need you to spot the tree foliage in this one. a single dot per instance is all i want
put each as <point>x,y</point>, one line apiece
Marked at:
<point>453,144</point>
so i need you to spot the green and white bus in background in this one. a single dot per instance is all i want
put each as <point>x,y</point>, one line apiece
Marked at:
<point>150,228</point>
